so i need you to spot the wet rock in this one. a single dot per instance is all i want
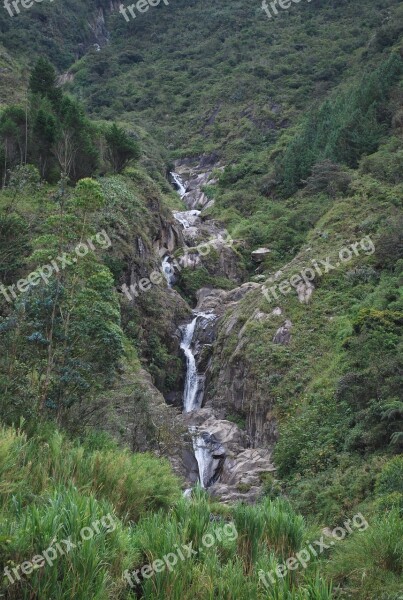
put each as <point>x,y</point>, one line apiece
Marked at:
<point>240,468</point>
<point>260,254</point>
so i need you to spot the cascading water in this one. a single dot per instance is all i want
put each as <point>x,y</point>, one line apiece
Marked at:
<point>192,399</point>
<point>187,218</point>
<point>209,453</point>
<point>203,457</point>
<point>168,271</point>
<point>191,371</point>
<point>210,456</point>
<point>179,184</point>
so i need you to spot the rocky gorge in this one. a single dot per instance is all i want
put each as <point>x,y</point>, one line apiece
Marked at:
<point>217,452</point>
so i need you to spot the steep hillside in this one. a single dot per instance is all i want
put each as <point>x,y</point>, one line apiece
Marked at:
<point>201,262</point>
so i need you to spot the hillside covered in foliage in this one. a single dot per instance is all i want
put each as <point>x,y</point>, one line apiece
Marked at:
<point>286,135</point>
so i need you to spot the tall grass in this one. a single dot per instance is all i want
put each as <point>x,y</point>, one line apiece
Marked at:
<point>50,488</point>
<point>134,483</point>
<point>249,524</point>
<point>283,529</point>
<point>94,564</point>
<point>193,517</point>
<point>370,562</point>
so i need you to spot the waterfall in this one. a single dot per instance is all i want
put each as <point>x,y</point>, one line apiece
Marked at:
<point>191,371</point>
<point>192,400</point>
<point>203,457</point>
<point>168,271</point>
<point>179,184</point>
<point>187,218</point>
<point>209,454</point>
<point>208,451</point>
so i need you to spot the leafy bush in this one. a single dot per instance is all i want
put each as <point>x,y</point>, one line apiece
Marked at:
<point>371,562</point>
<point>343,128</point>
<point>391,477</point>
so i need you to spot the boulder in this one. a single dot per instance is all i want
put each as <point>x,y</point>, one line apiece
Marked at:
<point>283,334</point>
<point>260,254</point>
<point>305,291</point>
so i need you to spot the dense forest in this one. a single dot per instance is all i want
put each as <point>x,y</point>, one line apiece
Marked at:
<point>201,312</point>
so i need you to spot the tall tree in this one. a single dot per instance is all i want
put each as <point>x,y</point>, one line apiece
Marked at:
<point>121,148</point>
<point>43,82</point>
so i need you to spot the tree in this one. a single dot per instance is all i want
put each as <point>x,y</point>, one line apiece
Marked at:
<point>43,82</point>
<point>77,137</point>
<point>44,132</point>
<point>65,151</point>
<point>121,148</point>
<point>12,134</point>
<point>14,244</point>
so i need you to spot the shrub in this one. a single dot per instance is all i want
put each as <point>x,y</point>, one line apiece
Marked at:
<point>390,478</point>
<point>329,178</point>
<point>371,562</point>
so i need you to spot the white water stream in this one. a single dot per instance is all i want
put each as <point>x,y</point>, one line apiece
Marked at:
<point>168,271</point>
<point>193,392</point>
<point>179,183</point>
<point>187,218</point>
<point>191,371</point>
<point>191,401</point>
<point>203,457</point>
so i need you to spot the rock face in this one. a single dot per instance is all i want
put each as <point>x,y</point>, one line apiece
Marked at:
<point>219,301</point>
<point>196,173</point>
<point>208,244</point>
<point>236,471</point>
<point>231,383</point>
<point>169,238</point>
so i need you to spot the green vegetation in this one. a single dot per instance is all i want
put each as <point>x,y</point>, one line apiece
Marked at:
<point>52,488</point>
<point>53,133</point>
<point>303,113</point>
<point>71,336</point>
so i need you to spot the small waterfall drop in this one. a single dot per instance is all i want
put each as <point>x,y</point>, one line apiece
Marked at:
<point>203,457</point>
<point>191,371</point>
<point>191,397</point>
<point>168,271</point>
<point>210,455</point>
<point>178,183</point>
<point>187,218</point>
